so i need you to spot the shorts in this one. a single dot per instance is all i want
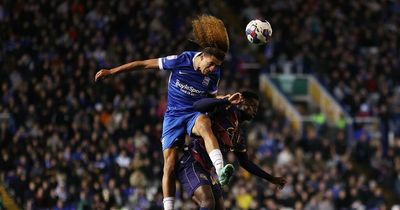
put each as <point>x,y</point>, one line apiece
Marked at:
<point>176,127</point>
<point>191,175</point>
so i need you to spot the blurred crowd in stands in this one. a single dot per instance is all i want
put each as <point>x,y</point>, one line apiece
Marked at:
<point>68,143</point>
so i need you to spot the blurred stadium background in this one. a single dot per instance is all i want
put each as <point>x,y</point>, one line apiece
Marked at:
<point>329,120</point>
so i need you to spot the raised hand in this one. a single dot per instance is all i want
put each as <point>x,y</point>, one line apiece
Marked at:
<point>235,98</point>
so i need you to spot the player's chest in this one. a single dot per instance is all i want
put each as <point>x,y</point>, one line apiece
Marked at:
<point>192,78</point>
<point>228,131</point>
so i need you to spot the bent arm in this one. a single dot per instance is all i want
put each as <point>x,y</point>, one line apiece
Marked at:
<point>253,168</point>
<point>136,65</point>
<point>208,104</point>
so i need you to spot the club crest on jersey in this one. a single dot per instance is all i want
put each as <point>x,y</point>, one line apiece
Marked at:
<point>206,81</point>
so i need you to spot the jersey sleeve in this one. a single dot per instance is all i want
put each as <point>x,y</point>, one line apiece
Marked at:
<point>172,61</point>
<point>209,104</point>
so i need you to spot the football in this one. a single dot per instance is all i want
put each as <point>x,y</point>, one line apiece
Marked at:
<point>258,31</point>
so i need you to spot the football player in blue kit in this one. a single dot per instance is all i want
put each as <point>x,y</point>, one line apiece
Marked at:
<point>193,76</point>
<point>194,168</point>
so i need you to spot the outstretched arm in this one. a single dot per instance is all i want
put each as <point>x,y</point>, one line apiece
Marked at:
<point>209,104</point>
<point>254,169</point>
<point>135,65</point>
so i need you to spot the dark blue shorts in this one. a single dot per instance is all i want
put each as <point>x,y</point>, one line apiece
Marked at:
<point>191,175</point>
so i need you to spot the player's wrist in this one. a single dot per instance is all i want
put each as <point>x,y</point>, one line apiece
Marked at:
<point>111,71</point>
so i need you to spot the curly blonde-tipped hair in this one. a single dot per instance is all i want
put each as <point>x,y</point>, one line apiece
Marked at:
<point>210,33</point>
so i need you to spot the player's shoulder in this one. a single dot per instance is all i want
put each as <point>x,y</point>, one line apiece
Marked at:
<point>189,54</point>
<point>186,57</point>
<point>182,55</point>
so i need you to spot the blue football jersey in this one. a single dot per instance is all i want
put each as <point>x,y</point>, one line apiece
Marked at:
<point>185,84</point>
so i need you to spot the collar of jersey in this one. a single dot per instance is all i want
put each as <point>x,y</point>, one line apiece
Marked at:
<point>195,55</point>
